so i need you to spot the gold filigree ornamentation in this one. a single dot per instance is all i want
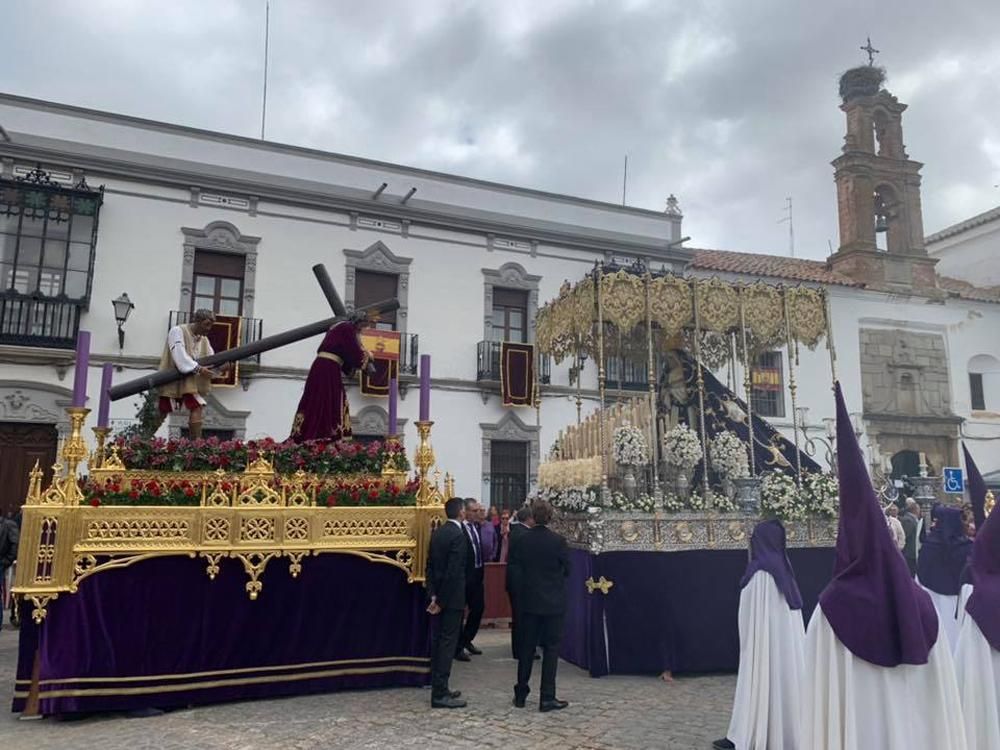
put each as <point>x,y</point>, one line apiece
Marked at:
<point>296,529</point>
<point>213,559</point>
<point>806,315</point>
<point>257,529</point>
<point>763,314</point>
<point>254,564</point>
<point>737,531</point>
<point>602,584</point>
<point>295,561</point>
<point>670,304</point>
<point>682,532</point>
<point>216,529</point>
<point>718,305</point>
<point>623,300</point>
<point>41,602</point>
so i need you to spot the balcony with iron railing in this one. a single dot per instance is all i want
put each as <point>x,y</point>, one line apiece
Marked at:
<point>36,321</point>
<point>488,363</point>
<point>409,353</point>
<point>627,374</point>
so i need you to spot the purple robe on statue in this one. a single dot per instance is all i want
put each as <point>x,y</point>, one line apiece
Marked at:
<point>323,412</point>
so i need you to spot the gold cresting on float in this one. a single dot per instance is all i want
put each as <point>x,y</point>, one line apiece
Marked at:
<point>253,516</point>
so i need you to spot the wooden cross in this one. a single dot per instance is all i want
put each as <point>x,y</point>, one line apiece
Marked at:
<point>148,382</point>
<point>871,52</point>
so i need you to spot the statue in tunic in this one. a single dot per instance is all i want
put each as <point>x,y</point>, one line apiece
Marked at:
<point>323,412</point>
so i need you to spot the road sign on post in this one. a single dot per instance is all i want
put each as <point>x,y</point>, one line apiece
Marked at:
<point>954,481</point>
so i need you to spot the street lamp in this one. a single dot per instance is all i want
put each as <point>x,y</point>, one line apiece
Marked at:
<point>811,444</point>
<point>123,306</point>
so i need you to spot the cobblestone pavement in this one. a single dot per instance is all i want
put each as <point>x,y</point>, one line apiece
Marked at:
<point>612,712</point>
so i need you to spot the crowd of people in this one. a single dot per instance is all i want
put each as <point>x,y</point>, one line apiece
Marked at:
<point>909,619</point>
<point>537,568</point>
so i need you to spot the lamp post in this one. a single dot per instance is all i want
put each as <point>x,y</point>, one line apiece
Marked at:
<point>812,444</point>
<point>123,307</point>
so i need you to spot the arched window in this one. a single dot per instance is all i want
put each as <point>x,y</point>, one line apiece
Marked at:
<point>984,383</point>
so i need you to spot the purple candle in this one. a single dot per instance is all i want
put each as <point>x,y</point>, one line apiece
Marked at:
<point>104,407</point>
<point>425,387</point>
<point>82,367</point>
<point>393,405</point>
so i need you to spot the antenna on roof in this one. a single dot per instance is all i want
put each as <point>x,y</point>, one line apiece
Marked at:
<point>624,180</point>
<point>791,226</point>
<point>267,35</point>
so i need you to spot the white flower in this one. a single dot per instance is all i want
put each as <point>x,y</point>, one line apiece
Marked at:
<point>729,456</point>
<point>642,502</point>
<point>579,472</point>
<point>780,496</point>
<point>682,448</point>
<point>822,494</point>
<point>630,446</point>
<point>570,498</point>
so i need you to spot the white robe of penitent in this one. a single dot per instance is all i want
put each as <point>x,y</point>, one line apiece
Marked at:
<point>963,598</point>
<point>946,607</point>
<point>977,668</point>
<point>851,704</point>
<point>766,710</point>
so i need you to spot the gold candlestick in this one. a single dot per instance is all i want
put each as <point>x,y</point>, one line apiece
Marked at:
<point>424,460</point>
<point>74,451</point>
<point>101,437</point>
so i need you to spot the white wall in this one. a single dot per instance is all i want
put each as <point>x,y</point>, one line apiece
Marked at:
<point>970,256</point>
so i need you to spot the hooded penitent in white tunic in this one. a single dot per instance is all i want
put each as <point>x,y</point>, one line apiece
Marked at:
<point>977,656</point>
<point>766,709</point>
<point>877,675</point>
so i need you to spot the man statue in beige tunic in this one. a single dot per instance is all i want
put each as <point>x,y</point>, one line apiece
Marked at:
<point>187,343</point>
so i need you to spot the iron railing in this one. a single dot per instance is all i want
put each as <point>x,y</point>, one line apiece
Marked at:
<point>27,321</point>
<point>409,353</point>
<point>488,363</point>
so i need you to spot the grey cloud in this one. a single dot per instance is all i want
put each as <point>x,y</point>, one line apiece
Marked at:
<point>731,105</point>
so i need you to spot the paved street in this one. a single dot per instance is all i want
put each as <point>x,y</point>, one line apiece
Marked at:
<point>612,712</point>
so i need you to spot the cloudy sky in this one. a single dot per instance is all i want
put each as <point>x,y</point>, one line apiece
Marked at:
<point>732,105</point>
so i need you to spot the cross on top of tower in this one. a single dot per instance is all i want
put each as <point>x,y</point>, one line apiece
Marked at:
<point>871,51</point>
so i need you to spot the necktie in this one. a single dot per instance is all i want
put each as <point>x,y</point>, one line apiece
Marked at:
<point>474,538</point>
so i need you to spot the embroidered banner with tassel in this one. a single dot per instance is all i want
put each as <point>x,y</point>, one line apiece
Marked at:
<point>517,374</point>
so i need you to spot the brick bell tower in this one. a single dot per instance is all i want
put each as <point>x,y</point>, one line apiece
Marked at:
<point>878,192</point>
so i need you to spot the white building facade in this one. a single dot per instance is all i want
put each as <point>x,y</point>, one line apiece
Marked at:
<point>191,218</point>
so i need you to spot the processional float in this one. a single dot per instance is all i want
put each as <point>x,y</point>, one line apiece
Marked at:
<point>260,502</point>
<point>686,464</point>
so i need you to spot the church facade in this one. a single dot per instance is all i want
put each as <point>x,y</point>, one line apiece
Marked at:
<point>181,219</point>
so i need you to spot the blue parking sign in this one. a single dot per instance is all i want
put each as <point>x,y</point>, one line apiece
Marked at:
<point>954,481</point>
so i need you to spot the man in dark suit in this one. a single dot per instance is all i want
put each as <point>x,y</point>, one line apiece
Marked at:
<point>518,528</point>
<point>446,589</point>
<point>539,566</point>
<point>475,591</point>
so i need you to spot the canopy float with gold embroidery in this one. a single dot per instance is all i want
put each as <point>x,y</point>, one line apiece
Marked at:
<point>674,333</point>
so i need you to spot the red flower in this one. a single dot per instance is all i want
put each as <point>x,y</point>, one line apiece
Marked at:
<point>95,502</point>
<point>189,492</point>
<point>330,501</point>
<point>134,495</point>
<point>355,495</point>
<point>393,490</point>
<point>372,494</point>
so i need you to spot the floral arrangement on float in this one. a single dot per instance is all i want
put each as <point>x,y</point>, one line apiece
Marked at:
<point>140,471</point>
<point>729,456</point>
<point>682,448</point>
<point>629,446</point>
<point>782,498</point>
<point>573,484</point>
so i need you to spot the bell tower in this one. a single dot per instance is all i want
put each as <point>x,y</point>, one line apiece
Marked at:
<point>878,191</point>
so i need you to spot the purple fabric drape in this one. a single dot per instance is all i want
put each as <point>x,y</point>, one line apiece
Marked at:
<point>944,554</point>
<point>984,603</point>
<point>668,610</point>
<point>873,605</point>
<point>977,489</point>
<point>182,639</point>
<point>768,553</point>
